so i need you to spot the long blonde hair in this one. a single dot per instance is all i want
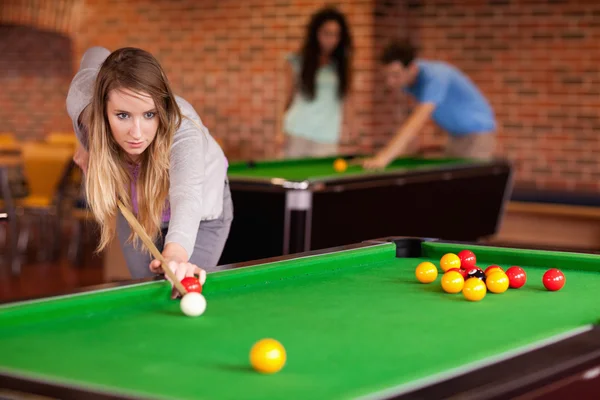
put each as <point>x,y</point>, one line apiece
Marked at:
<point>108,177</point>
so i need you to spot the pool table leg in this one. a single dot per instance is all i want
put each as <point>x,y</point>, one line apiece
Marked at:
<point>297,200</point>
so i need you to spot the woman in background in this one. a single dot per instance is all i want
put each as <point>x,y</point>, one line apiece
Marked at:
<point>317,87</point>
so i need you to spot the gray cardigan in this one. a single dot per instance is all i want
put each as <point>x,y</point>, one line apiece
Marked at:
<point>198,166</point>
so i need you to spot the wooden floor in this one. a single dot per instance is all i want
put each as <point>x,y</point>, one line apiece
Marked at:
<point>50,278</point>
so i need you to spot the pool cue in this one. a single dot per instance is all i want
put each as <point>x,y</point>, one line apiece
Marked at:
<point>135,225</point>
<point>356,161</point>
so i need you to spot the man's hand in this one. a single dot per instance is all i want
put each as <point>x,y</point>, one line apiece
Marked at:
<point>380,161</point>
<point>405,135</point>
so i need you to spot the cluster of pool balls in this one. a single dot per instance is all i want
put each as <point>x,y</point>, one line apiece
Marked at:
<point>461,274</point>
<point>267,356</point>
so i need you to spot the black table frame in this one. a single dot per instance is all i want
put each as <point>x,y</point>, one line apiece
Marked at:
<point>274,217</point>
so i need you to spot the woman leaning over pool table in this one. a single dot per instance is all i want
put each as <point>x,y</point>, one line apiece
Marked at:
<point>144,145</point>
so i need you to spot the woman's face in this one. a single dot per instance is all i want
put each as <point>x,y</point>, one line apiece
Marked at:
<point>329,36</point>
<point>133,120</point>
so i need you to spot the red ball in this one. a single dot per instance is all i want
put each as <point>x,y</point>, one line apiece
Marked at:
<point>461,271</point>
<point>467,259</point>
<point>554,279</point>
<point>492,268</point>
<point>191,284</point>
<point>516,277</point>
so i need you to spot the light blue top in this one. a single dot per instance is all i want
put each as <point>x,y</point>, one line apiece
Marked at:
<point>461,109</point>
<point>318,119</point>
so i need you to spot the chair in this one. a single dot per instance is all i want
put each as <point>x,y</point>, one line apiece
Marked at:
<point>7,138</point>
<point>70,190</point>
<point>62,138</point>
<point>80,217</point>
<point>9,143</point>
<point>44,166</point>
<point>70,187</point>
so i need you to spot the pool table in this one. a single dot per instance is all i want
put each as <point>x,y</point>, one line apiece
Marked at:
<point>297,205</point>
<point>354,321</point>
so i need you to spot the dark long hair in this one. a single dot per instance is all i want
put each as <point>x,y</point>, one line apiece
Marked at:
<point>311,51</point>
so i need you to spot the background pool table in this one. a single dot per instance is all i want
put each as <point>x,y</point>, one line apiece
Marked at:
<point>354,321</point>
<point>291,206</point>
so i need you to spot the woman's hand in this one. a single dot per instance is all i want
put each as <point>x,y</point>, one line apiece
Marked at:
<point>180,270</point>
<point>81,158</point>
<point>177,261</point>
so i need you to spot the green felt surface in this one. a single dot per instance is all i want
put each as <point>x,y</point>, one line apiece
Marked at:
<point>352,322</point>
<point>321,168</point>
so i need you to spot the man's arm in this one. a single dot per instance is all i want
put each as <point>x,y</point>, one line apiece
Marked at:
<point>403,137</point>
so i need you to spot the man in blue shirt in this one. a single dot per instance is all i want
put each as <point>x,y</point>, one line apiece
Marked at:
<point>444,95</point>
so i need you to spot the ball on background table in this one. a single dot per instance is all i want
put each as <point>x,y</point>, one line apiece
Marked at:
<point>426,272</point>
<point>453,282</point>
<point>474,289</point>
<point>193,304</point>
<point>467,259</point>
<point>191,284</point>
<point>516,277</point>
<point>497,282</point>
<point>449,261</point>
<point>554,279</point>
<point>267,356</point>
<point>340,165</point>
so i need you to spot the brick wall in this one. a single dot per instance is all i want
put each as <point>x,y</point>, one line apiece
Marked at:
<point>538,63</point>
<point>35,72</point>
<point>224,58</point>
<point>390,20</point>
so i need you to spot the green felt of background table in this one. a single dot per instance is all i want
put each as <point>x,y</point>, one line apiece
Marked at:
<point>320,168</point>
<point>353,323</point>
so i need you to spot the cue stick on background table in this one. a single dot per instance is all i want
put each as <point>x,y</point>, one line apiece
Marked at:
<point>135,225</point>
<point>356,161</point>
<point>359,162</point>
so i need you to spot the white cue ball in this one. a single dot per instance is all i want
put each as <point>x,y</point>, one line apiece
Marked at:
<point>193,304</point>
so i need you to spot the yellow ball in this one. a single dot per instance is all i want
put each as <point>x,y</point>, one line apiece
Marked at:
<point>340,165</point>
<point>474,289</point>
<point>497,282</point>
<point>449,261</point>
<point>426,272</point>
<point>452,282</point>
<point>267,356</point>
